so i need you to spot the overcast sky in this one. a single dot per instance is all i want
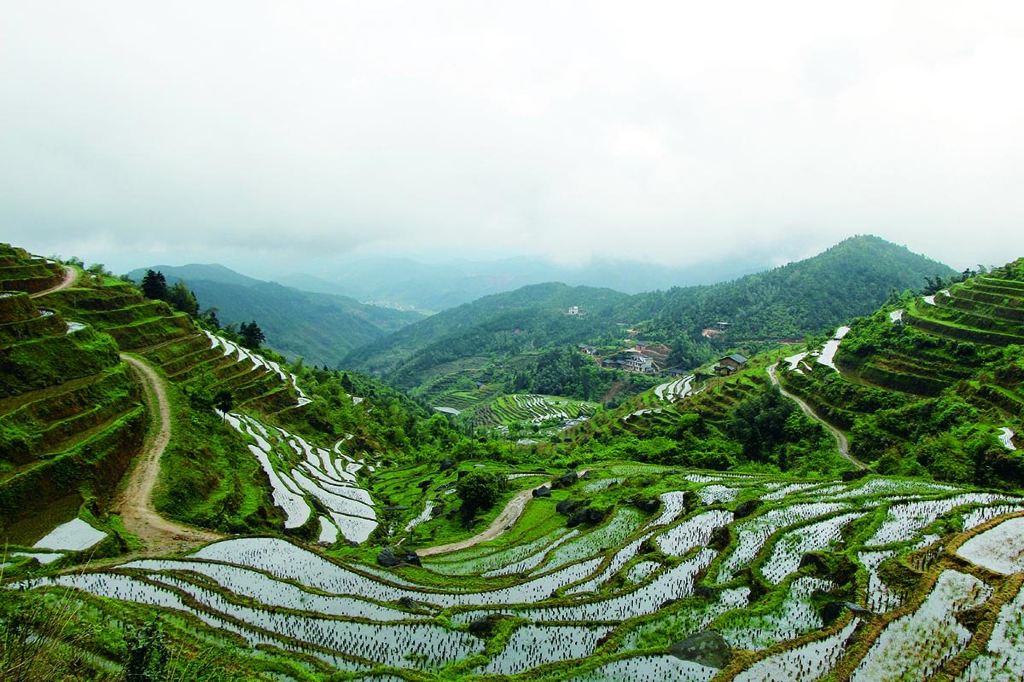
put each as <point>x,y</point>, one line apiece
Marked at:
<point>274,134</point>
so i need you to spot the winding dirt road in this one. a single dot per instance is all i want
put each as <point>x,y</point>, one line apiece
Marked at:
<point>841,441</point>
<point>508,516</point>
<point>135,500</point>
<point>70,277</point>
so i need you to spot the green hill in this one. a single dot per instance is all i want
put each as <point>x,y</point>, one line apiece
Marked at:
<point>321,328</point>
<point>927,385</point>
<point>851,278</point>
<point>497,338</point>
<point>505,325</point>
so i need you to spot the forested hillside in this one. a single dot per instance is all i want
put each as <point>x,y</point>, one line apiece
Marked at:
<point>852,278</point>
<point>321,328</point>
<point>524,320</point>
<point>499,339</point>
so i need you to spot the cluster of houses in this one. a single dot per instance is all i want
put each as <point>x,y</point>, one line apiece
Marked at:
<point>644,358</point>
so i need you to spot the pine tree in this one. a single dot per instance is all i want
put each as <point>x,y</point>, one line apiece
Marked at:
<point>182,299</point>
<point>154,286</point>
<point>252,335</point>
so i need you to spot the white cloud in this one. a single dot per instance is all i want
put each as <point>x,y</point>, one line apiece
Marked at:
<point>276,132</point>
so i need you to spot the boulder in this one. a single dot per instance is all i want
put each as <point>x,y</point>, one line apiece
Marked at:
<point>390,557</point>
<point>446,464</point>
<point>588,515</point>
<point>565,480</point>
<point>707,647</point>
<point>746,508</point>
<point>567,507</point>
<point>543,491</point>
<point>484,627</point>
<point>647,505</point>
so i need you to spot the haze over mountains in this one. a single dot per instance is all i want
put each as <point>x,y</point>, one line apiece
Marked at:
<point>435,286</point>
<point>326,325</point>
<point>851,278</point>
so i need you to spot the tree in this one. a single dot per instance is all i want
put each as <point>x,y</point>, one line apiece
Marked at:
<point>759,422</point>
<point>252,335</point>
<point>210,315</point>
<point>224,401</point>
<point>154,286</point>
<point>479,491</point>
<point>182,299</point>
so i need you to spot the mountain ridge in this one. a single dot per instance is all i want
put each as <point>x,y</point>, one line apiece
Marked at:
<point>786,301</point>
<point>319,327</point>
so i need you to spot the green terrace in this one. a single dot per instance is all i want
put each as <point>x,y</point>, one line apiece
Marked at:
<point>951,361</point>
<point>800,578</point>
<point>70,412</point>
<point>21,271</point>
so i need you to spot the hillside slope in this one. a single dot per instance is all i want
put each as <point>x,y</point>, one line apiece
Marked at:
<point>321,328</point>
<point>931,384</point>
<point>505,324</point>
<point>851,278</point>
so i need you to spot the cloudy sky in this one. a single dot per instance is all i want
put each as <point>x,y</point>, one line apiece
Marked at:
<point>273,134</point>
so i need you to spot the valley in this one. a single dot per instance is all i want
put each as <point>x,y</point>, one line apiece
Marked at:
<point>808,509</point>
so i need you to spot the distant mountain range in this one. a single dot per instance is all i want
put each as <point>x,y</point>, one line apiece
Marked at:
<point>322,328</point>
<point>412,285</point>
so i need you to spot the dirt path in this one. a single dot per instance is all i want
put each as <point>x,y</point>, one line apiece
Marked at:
<point>70,277</point>
<point>508,516</point>
<point>135,500</point>
<point>841,441</point>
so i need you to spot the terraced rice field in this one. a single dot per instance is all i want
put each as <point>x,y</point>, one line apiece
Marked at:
<point>954,340</point>
<point>304,477</point>
<point>781,569</point>
<point>522,408</point>
<point>673,391</point>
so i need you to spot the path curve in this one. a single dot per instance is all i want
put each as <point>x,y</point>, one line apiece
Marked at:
<point>508,516</point>
<point>135,500</point>
<point>70,277</point>
<point>841,440</point>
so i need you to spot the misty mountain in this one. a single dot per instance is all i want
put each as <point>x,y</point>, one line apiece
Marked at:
<point>322,328</point>
<point>431,287</point>
<point>849,279</point>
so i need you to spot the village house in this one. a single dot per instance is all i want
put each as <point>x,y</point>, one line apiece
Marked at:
<point>640,363</point>
<point>730,363</point>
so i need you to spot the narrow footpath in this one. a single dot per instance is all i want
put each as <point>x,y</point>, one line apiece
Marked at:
<point>841,441</point>
<point>70,277</point>
<point>135,499</point>
<point>505,520</point>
